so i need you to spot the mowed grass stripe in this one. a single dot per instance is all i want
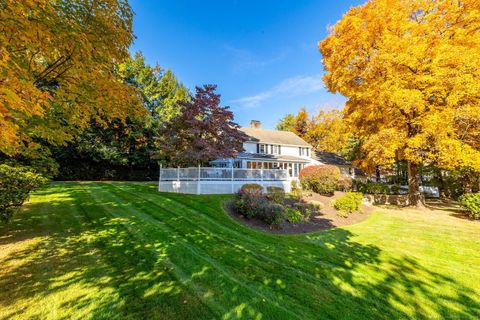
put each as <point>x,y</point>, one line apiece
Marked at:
<point>125,251</point>
<point>138,259</point>
<point>298,283</point>
<point>263,296</point>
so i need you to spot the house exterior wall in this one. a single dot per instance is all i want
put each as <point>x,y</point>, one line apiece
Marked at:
<point>251,147</point>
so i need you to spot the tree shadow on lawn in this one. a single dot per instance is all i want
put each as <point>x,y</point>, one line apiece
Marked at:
<point>160,265</point>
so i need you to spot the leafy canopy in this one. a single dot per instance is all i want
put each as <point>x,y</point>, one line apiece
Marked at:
<point>202,130</point>
<point>409,69</point>
<point>57,68</point>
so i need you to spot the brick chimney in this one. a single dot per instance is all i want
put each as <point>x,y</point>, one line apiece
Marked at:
<point>255,124</point>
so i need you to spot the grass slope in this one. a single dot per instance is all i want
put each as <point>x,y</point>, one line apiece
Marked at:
<point>125,251</point>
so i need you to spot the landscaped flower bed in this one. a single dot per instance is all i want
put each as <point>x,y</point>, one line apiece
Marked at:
<point>273,206</point>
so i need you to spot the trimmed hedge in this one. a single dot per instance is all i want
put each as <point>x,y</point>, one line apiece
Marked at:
<point>322,179</point>
<point>471,201</point>
<point>15,186</point>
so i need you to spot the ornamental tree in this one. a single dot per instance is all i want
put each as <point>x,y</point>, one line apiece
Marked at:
<point>409,69</point>
<point>202,131</point>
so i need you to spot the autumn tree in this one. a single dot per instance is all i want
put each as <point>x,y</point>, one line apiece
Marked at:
<point>57,69</point>
<point>409,69</point>
<point>301,123</point>
<point>327,131</point>
<point>202,131</point>
<point>286,123</point>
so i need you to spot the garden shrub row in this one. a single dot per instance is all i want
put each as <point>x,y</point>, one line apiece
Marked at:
<point>272,207</point>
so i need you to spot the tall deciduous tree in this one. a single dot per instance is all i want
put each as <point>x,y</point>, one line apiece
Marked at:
<point>410,71</point>
<point>300,126</point>
<point>286,123</point>
<point>57,68</point>
<point>327,131</point>
<point>202,130</point>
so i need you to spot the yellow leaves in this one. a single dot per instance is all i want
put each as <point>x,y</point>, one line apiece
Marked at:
<point>409,69</point>
<point>59,57</point>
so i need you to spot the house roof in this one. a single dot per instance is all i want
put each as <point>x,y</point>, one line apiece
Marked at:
<point>336,160</point>
<point>330,158</point>
<point>271,157</point>
<point>274,137</point>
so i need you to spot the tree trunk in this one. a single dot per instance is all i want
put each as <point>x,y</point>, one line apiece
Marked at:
<point>467,184</point>
<point>441,184</point>
<point>414,196</point>
<point>377,173</point>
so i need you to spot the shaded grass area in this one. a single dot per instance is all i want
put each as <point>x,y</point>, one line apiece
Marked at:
<point>125,251</point>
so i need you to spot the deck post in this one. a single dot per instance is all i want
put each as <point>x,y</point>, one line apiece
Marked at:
<point>261,176</point>
<point>199,187</point>
<point>231,181</point>
<point>160,177</point>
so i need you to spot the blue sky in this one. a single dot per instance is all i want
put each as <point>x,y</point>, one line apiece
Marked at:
<point>263,55</point>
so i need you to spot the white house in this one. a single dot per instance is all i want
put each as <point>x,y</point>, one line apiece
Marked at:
<point>264,150</point>
<point>271,149</point>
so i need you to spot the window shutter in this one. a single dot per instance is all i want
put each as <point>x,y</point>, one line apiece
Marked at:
<point>279,150</point>
<point>258,148</point>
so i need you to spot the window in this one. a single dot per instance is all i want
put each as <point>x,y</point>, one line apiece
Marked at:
<point>262,149</point>
<point>303,151</point>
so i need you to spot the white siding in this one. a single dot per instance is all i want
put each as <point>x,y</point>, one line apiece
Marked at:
<point>250,147</point>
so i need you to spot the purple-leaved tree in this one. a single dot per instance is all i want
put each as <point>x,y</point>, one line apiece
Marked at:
<point>202,131</point>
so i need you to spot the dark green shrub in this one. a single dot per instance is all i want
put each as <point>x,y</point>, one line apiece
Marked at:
<point>15,186</point>
<point>272,213</point>
<point>394,189</point>
<point>372,187</point>
<point>349,203</point>
<point>471,201</point>
<point>293,215</point>
<point>276,194</point>
<point>344,183</point>
<point>321,179</point>
<point>306,209</point>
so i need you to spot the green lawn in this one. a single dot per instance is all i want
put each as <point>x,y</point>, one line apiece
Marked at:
<point>125,251</point>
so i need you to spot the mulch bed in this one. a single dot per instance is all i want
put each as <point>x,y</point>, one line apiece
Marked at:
<point>326,220</point>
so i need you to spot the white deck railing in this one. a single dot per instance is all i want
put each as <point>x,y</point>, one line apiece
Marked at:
<point>222,174</point>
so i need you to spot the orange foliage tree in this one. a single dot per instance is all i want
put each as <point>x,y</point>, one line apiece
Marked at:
<point>409,69</point>
<point>57,68</point>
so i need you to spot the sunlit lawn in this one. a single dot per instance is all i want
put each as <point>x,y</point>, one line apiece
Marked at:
<point>125,251</point>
